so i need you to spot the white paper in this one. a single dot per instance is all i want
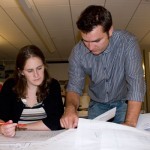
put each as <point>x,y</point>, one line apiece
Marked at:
<point>24,139</point>
<point>63,141</point>
<point>110,136</point>
<point>14,146</point>
<point>29,136</point>
<point>97,135</point>
<point>107,115</point>
<point>144,122</point>
<point>90,135</point>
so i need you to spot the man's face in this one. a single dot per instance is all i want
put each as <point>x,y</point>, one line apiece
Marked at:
<point>97,40</point>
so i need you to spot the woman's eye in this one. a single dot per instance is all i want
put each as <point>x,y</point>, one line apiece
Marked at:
<point>39,68</point>
<point>29,71</point>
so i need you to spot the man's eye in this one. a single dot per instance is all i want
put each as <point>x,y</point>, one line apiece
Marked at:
<point>85,42</point>
<point>96,41</point>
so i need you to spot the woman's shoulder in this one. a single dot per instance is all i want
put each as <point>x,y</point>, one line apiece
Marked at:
<point>8,84</point>
<point>9,81</point>
<point>53,85</point>
<point>53,82</point>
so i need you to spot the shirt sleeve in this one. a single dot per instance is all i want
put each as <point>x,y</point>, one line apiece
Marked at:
<point>134,72</point>
<point>76,72</point>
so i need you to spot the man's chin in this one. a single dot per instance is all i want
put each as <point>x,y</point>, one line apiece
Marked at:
<point>96,53</point>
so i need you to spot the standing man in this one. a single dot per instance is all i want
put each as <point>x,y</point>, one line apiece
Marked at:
<point>113,61</point>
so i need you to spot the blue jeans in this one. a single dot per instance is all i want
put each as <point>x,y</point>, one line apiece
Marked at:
<point>95,109</point>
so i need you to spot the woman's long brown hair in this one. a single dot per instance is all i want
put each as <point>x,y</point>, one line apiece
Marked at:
<point>24,54</point>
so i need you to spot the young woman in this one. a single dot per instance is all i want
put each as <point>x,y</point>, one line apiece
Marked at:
<point>31,98</point>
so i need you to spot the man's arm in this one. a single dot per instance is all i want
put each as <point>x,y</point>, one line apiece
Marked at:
<point>133,111</point>
<point>70,116</point>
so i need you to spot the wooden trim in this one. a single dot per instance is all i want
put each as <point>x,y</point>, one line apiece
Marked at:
<point>146,54</point>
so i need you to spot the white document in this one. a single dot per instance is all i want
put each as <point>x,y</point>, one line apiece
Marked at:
<point>69,137</point>
<point>90,135</point>
<point>100,135</point>
<point>144,122</point>
<point>63,141</point>
<point>23,139</point>
<point>29,136</point>
<point>14,146</point>
<point>107,115</point>
<point>97,135</point>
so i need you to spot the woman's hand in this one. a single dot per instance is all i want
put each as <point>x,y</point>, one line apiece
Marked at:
<point>8,129</point>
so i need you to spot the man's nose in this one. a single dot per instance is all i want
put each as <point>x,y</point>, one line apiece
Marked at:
<point>90,46</point>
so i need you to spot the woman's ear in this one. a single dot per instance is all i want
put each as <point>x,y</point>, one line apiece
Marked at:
<point>20,72</point>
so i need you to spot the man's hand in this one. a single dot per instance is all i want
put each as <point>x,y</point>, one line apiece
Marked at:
<point>133,111</point>
<point>69,118</point>
<point>128,123</point>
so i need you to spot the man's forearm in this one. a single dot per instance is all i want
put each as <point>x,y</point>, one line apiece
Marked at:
<point>70,116</point>
<point>72,100</point>
<point>133,111</point>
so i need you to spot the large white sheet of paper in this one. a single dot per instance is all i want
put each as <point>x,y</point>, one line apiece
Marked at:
<point>97,135</point>
<point>63,141</point>
<point>110,136</point>
<point>14,146</point>
<point>90,135</point>
<point>23,139</point>
<point>107,115</point>
<point>144,122</point>
<point>29,136</point>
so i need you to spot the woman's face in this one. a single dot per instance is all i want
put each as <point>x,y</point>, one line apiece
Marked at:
<point>34,71</point>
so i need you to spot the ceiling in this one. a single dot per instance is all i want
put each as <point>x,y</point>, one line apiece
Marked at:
<point>51,24</point>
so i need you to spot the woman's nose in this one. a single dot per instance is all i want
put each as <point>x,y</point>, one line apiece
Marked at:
<point>36,73</point>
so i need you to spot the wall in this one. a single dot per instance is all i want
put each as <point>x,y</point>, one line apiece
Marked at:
<point>147,79</point>
<point>58,70</point>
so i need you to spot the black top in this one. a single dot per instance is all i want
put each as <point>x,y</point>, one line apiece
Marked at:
<point>11,106</point>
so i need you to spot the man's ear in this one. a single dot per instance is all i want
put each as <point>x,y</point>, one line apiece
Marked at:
<point>111,31</point>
